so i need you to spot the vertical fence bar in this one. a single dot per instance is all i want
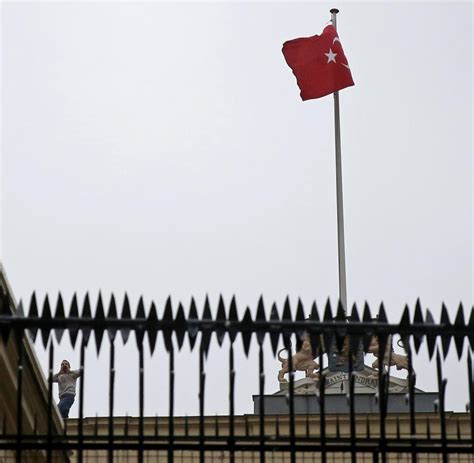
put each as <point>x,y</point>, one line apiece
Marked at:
<point>411,401</point>
<point>110,452</point>
<point>202,382</point>
<point>470,374</point>
<point>50,401</point>
<point>19,396</point>
<point>442,416</point>
<point>231,404</point>
<point>382,404</point>
<point>261,411</point>
<point>141,386</point>
<point>322,407</point>
<point>80,426</point>
<point>352,406</point>
<point>171,405</point>
<point>292,405</point>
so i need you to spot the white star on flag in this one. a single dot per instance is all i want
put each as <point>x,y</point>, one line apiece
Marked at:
<point>331,56</point>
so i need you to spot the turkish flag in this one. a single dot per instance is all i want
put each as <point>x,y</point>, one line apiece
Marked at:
<point>318,63</point>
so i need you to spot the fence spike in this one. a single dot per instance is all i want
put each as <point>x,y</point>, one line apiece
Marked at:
<point>140,330</point>
<point>20,313</point>
<point>260,317</point>
<point>112,315</point>
<point>73,313</point>
<point>445,338</point>
<point>46,315</point>
<point>354,313</point>
<point>366,316</point>
<point>327,311</point>
<point>340,333</point>
<point>59,315</point>
<point>328,335</point>
<point>382,316</point>
<point>274,335</point>
<point>382,338</point>
<point>300,317</point>
<point>33,313</point>
<point>87,314</point>
<point>314,314</point>
<point>221,319</point>
<point>404,327</point>
<point>341,312</point>
<point>98,329</point>
<point>430,339</point>
<point>246,331</point>
<point>418,319</point>
<point>287,318</point>
<point>192,327</point>
<point>314,337</point>
<point>167,321</point>
<point>459,323</point>
<point>355,340</point>
<point>233,317</point>
<point>405,320</point>
<point>180,326</point>
<point>206,334</point>
<point>126,315</point>
<point>152,327</point>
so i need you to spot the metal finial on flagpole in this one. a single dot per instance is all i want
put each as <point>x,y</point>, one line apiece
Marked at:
<point>339,196</point>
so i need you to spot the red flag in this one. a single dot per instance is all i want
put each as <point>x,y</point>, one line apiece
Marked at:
<point>318,63</point>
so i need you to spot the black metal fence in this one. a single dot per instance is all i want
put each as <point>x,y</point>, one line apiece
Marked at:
<point>351,436</point>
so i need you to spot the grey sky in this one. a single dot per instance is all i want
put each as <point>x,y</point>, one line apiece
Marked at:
<point>162,148</point>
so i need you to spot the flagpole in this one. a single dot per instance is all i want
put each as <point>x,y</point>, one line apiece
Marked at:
<point>339,196</point>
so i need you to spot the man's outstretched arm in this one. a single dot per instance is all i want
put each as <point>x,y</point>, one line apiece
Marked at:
<point>76,373</point>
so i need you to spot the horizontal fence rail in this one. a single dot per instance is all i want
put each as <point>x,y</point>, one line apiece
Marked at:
<point>325,334</point>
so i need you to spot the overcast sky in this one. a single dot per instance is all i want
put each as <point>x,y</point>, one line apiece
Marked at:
<point>162,148</point>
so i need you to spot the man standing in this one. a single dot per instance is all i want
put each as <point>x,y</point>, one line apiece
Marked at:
<point>66,379</point>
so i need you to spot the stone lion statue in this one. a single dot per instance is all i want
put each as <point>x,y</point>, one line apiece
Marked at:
<point>400,361</point>
<point>303,360</point>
